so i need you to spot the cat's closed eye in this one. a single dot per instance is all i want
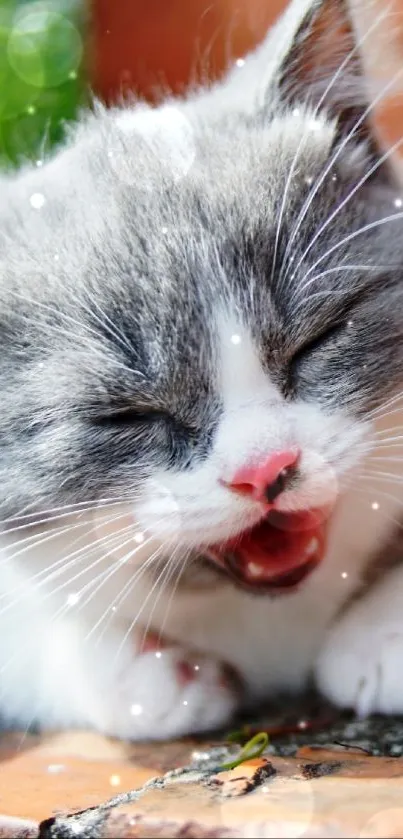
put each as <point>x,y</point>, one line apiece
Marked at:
<point>128,415</point>
<point>321,339</point>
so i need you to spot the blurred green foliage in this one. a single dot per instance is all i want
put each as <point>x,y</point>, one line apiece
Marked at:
<point>41,74</point>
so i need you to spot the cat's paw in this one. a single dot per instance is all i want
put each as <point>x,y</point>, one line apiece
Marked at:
<point>361,663</point>
<point>168,691</point>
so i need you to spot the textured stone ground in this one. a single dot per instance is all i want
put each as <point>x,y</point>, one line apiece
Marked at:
<point>339,778</point>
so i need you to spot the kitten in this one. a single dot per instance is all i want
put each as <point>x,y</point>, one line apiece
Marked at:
<point>201,371</point>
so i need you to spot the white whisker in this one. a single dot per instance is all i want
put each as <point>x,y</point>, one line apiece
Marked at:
<point>171,565</point>
<point>139,612</point>
<point>364,229</point>
<point>367,112</point>
<point>356,49</point>
<point>348,198</point>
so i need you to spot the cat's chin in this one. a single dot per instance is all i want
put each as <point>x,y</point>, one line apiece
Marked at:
<point>276,555</point>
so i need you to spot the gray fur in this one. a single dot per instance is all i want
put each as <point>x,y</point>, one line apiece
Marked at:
<point>109,291</point>
<point>99,307</point>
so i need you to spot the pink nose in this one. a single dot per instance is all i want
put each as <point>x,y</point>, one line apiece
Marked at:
<point>265,481</point>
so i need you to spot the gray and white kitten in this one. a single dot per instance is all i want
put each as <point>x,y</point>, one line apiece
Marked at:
<point>201,369</point>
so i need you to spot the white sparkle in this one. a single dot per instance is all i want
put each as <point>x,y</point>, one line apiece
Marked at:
<point>164,230</point>
<point>39,163</point>
<point>309,180</point>
<point>312,547</point>
<point>109,154</point>
<point>113,608</point>
<point>114,780</point>
<point>350,323</point>
<point>184,702</point>
<point>158,654</point>
<point>56,257</point>
<point>398,202</point>
<point>37,200</point>
<point>139,537</point>
<point>302,724</point>
<point>56,768</point>
<point>334,178</point>
<point>315,124</point>
<point>240,62</point>
<point>73,598</point>
<point>296,112</point>
<point>197,667</point>
<point>375,505</point>
<point>254,569</point>
<point>136,710</point>
<point>344,575</point>
<point>236,339</point>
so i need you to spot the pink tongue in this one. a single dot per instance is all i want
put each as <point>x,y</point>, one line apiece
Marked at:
<point>270,550</point>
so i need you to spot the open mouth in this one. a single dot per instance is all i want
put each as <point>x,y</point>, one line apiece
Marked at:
<point>277,554</point>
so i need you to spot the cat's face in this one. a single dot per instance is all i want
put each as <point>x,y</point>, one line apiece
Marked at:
<point>202,334</point>
<point>255,359</point>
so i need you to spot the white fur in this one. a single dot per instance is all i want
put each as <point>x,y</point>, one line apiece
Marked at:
<point>75,600</point>
<point>71,643</point>
<point>168,132</point>
<point>360,665</point>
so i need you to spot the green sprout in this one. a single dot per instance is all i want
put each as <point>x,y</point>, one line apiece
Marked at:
<point>252,749</point>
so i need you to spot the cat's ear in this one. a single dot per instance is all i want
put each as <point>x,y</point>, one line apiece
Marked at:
<point>321,64</point>
<point>344,57</point>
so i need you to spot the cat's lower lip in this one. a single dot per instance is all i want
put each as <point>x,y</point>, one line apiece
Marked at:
<point>277,554</point>
<point>279,584</point>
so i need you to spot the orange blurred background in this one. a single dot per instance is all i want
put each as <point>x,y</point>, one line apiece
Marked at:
<point>148,44</point>
<point>151,45</point>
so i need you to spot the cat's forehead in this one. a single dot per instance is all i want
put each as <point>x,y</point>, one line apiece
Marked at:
<point>187,187</point>
<point>169,214</point>
<point>195,208</point>
<point>174,144</point>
